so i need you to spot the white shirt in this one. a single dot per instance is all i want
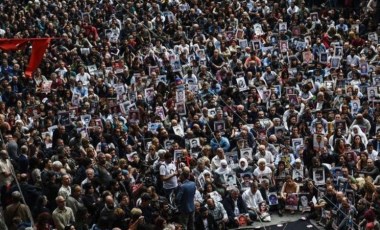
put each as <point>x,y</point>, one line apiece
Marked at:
<point>252,200</point>
<point>373,155</point>
<point>267,173</point>
<point>168,169</point>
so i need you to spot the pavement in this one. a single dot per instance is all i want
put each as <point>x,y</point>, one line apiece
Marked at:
<point>281,220</point>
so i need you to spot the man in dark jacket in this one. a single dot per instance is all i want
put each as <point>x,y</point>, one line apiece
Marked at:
<point>185,200</point>
<point>234,206</point>
<point>205,221</point>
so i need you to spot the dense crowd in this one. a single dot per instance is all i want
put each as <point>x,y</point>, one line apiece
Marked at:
<point>190,114</point>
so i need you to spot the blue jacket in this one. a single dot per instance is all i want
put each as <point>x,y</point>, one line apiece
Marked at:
<point>224,143</point>
<point>185,197</point>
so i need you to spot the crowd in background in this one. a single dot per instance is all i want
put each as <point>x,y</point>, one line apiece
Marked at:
<point>190,114</point>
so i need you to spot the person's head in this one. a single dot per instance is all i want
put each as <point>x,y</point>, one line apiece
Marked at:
<point>316,162</point>
<point>254,186</point>
<point>261,162</point>
<point>235,193</point>
<point>4,154</point>
<point>66,180</point>
<point>60,200</point>
<point>168,157</point>
<point>344,171</point>
<point>210,203</point>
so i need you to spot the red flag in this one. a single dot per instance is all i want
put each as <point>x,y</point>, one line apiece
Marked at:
<point>38,50</point>
<point>12,44</point>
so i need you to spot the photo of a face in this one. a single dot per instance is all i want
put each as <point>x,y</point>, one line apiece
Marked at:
<point>284,46</point>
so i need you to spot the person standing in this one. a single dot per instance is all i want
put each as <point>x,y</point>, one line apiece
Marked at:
<point>16,211</point>
<point>185,200</point>
<point>62,215</point>
<point>6,178</point>
<point>168,175</point>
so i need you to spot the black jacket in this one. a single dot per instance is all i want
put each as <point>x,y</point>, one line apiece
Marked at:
<point>210,221</point>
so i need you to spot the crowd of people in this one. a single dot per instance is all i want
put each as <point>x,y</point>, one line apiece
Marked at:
<point>190,114</point>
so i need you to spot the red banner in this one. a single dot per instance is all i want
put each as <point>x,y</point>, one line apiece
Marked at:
<point>39,46</point>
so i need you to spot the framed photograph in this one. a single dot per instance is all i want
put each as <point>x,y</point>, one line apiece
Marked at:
<point>291,201</point>
<point>300,46</point>
<point>181,108</point>
<point>239,34</point>
<point>232,158</point>
<point>341,125</point>
<point>178,130</point>
<point>283,46</point>
<point>355,106</point>
<point>318,141</point>
<point>303,204</point>
<point>243,43</point>
<point>258,29</point>
<point>298,175</point>
<point>282,27</point>
<point>272,198</point>
<point>266,95</point>
<point>178,155</point>
<point>329,85</point>
<point>323,57</point>
<point>314,17</point>
<point>153,126</point>
<point>211,112</point>
<point>230,35</point>
<point>160,112</point>
<point>256,44</point>
<point>180,96</point>
<point>335,62</point>
<point>338,51</point>
<point>230,179</point>
<point>364,68</point>
<point>296,142</point>
<point>376,81</point>
<point>372,36</point>
<point>267,49</point>
<point>277,90</point>
<point>293,98</point>
<point>168,143</point>
<point>75,99</point>
<point>247,154</point>
<point>372,93</point>
<point>133,116</point>
<point>273,39</point>
<point>307,57</point>
<point>241,84</point>
<point>195,145</point>
<point>215,196</point>
<point>193,87</point>
<point>149,94</point>
<point>177,67</point>
<point>291,90</point>
<point>64,118</point>
<point>219,126</point>
<point>245,181</point>
<point>85,119</point>
<point>319,176</point>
